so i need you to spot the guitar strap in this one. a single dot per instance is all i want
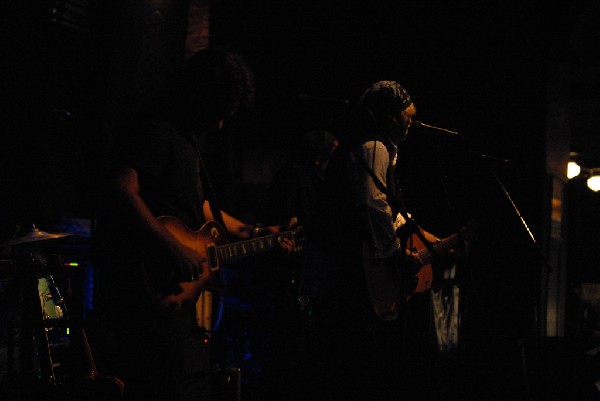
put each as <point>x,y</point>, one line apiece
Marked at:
<point>397,203</point>
<point>215,208</point>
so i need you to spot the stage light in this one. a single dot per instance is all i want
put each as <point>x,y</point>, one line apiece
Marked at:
<point>573,170</point>
<point>582,166</point>
<point>593,182</point>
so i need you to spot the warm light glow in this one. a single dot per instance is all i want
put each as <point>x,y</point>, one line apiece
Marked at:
<point>573,170</point>
<point>593,183</point>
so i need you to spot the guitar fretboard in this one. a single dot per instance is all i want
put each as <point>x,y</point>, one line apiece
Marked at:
<point>441,247</point>
<point>238,250</point>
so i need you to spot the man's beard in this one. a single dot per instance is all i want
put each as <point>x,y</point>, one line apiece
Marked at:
<point>398,132</point>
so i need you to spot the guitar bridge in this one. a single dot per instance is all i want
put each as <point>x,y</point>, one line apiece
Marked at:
<point>213,258</point>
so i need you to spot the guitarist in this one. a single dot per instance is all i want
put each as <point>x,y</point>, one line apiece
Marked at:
<point>370,230</point>
<point>388,226</point>
<point>158,170</point>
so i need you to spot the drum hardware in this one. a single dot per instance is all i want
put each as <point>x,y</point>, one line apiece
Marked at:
<point>34,235</point>
<point>38,323</point>
<point>51,300</point>
<point>44,346</point>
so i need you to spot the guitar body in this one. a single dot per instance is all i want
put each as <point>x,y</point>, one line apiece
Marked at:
<point>425,274</point>
<point>387,291</point>
<point>181,296</point>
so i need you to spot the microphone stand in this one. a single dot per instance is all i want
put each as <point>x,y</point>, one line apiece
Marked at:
<point>516,210</point>
<point>460,266</point>
<point>464,271</point>
<point>538,250</point>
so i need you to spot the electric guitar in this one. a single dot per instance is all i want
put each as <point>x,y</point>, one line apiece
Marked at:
<point>175,297</point>
<point>386,291</point>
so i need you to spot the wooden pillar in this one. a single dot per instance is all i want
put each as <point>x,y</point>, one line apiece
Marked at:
<point>553,278</point>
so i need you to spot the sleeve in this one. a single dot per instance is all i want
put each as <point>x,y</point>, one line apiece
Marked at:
<point>147,150</point>
<point>377,212</point>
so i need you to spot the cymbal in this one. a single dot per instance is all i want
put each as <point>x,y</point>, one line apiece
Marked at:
<point>34,235</point>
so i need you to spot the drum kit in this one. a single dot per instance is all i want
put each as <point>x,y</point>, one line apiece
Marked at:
<point>39,333</point>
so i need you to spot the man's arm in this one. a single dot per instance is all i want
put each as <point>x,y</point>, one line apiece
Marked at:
<point>233,226</point>
<point>244,230</point>
<point>189,262</point>
<point>378,212</point>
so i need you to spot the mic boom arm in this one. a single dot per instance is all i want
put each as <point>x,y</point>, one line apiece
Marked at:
<point>431,127</point>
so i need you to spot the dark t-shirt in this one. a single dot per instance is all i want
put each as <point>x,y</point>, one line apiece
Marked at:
<point>169,177</point>
<point>168,172</point>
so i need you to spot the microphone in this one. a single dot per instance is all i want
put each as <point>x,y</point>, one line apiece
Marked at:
<point>437,129</point>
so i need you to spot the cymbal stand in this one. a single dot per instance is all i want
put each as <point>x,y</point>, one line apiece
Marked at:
<point>34,337</point>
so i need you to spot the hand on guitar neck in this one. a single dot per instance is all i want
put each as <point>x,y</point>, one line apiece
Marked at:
<point>288,245</point>
<point>190,265</point>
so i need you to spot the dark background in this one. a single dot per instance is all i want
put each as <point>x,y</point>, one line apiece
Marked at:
<point>480,69</point>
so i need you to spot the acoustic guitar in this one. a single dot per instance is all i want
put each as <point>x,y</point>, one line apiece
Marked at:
<point>176,297</point>
<point>386,290</point>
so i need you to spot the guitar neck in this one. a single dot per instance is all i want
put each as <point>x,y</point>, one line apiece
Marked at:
<point>440,247</point>
<point>238,250</point>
